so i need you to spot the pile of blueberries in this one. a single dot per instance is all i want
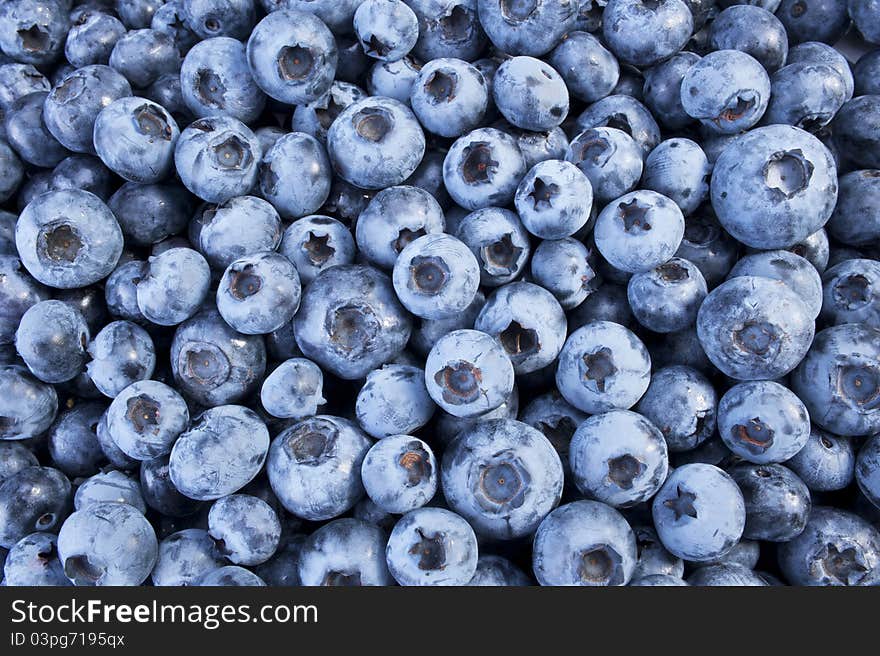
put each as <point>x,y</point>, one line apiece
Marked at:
<point>440,292</point>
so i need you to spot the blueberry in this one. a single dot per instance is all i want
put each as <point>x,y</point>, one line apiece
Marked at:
<point>626,22</point>
<point>375,143</point>
<point>159,492</point>
<point>19,292</point>
<point>147,214</point>
<point>19,80</point>
<point>33,31</point>
<point>245,529</point>
<point>483,168</point>
<point>136,14</point>
<point>749,336</point>
<point>814,52</point>
<point>52,338</point>
<point>654,560</point>
<point>667,298</point>
<point>709,247</point>
<point>72,107</point>
<point>293,390</point>
<point>805,95</point>
<point>122,353</point>
<point>662,89</point>
<point>835,548</point>
<point>657,580</point>
<point>350,321</point>
<point>468,373</point>
<point>432,546</point>
<point>826,462</point>
<point>793,270</point>
<point>699,513</point>
<point>777,501</point>
<point>236,228</point>
<point>839,380</point>
<point>856,218</point>
<point>213,364</point>
<point>314,467</point>
<point>295,175</point>
<point>33,561</point>
<point>623,113</point>
<point>813,20</point>
<point>584,543</point>
<point>120,290</point>
<point>223,450</point>
<point>540,146</point>
<point>316,117</point>
<point>387,29</point>
<point>610,159</point>
<point>448,28</point>
<point>82,172</point>
<point>174,287</point>
<point>499,241</point>
<point>449,97</point>
<point>11,171</point>
<point>726,575</point>
<point>527,28</point>
<point>15,456</point>
<point>292,56</point>
<point>426,333</point>
<point>345,552</point>
<point>865,15</point>
<point>590,71</point>
<point>867,469</point>
<point>230,575</point>
<point>26,132</point>
<point>603,366</point>
<point>218,158</point>
<point>554,199</point>
<point>496,571</point>
<point>146,418</point>
<point>315,243</point>
<point>678,169</point>
<point>394,79</point>
<point>400,473</point>
<point>144,55</point>
<point>259,293</point>
<point>185,556</point>
<point>92,36</point>
<point>394,401</point>
<point>557,420</point>
<point>336,14</point>
<point>109,486</point>
<point>752,30</point>
<point>681,402</point>
<point>865,73</point>
<point>854,128</point>
<point>851,293</point>
<point>170,19</point>
<point>32,499</point>
<point>567,269</point>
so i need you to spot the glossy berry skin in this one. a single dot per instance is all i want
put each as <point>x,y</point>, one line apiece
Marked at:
<point>295,175</point>
<point>867,469</point>
<point>603,366</point>
<point>699,513</point>
<point>215,79</point>
<point>625,22</point>
<point>400,473</point>
<point>122,353</point>
<point>33,31</point>
<point>639,231</point>
<point>498,240</point>
<point>590,71</point>
<point>51,339</point>
<point>32,499</point>
<point>483,168</point>
<point>825,463</point>
<point>752,30</point>
<point>777,501</point>
<point>610,159</point>
<point>726,575</point>
<point>245,528</point>
<point>143,56</point>
<point>619,458</point>
<point>107,543</point>
<point>71,108</point>
<point>170,19</point>
<point>19,80</point>
<point>554,199</point>
<point>393,401</point>
<point>342,311</point>
<point>531,29</point>
<point>565,268</point>
<point>747,336</point>
<point>805,95</point>
<point>184,557</point>
<point>175,286</point>
<point>530,94</point>
<point>208,19</point>
<point>120,290</point>
<point>667,298</point>
<point>218,158</point>
<point>147,214</point>
<point>865,15</point>
<point>727,91</point>
<point>314,467</point>
<point>813,20</point>
<point>375,143</point>
<point>709,247</point>
<point>662,89</point>
<point>436,276</point>
<point>146,418</point>
<point>449,97</point>
<point>835,548</point>
<point>316,117</point>
<point>159,492</point>
<point>12,170</point>
<point>222,451</point>
<point>344,552</point>
<point>26,132</point>
<point>527,322</point>
<point>793,270</point>
<point>503,476</point>
<point>27,405</point>
<point>838,380</point>
<point>294,390</point>
<point>259,293</point>
<point>68,239</point>
<point>468,373</point>
<point>109,486</point>
<point>448,28</point>
<point>213,364</point>
<point>865,74</point>
<point>815,52</point>
<point>33,561</point>
<point>678,169</point>
<point>681,403</point>
<point>851,293</point>
<point>241,226</point>
<point>431,546</point>
<point>654,560</point>
<point>855,131</point>
<point>393,219</point>
<point>16,456</point>
<point>315,243</point>
<point>387,29</point>
<point>18,292</point>
<point>856,218</point>
<point>584,543</point>
<point>72,440</point>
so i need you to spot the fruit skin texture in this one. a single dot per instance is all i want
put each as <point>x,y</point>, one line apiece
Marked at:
<point>625,22</point>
